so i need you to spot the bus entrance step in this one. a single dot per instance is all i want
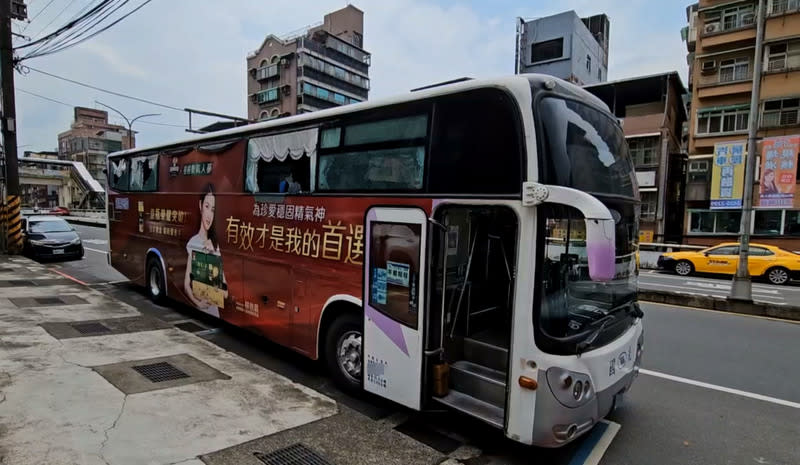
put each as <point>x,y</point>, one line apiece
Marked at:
<point>486,353</point>
<point>479,382</point>
<point>473,407</point>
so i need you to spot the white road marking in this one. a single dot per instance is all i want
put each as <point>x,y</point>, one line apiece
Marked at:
<point>602,445</point>
<point>95,241</point>
<point>706,280</point>
<point>715,387</point>
<point>670,286</point>
<point>96,250</point>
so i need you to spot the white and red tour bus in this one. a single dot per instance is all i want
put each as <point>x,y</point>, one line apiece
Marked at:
<point>469,245</point>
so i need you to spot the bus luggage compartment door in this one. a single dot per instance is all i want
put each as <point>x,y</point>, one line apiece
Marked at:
<point>394,273</point>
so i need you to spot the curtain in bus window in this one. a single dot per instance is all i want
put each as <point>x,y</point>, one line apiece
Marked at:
<point>118,178</point>
<point>144,172</point>
<point>279,147</point>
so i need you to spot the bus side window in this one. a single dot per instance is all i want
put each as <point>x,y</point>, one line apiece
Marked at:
<point>281,163</point>
<point>144,173</point>
<point>476,147</point>
<point>119,173</point>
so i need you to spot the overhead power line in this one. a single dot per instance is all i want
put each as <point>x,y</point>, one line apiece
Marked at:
<point>69,4</point>
<point>171,125</point>
<point>118,94</point>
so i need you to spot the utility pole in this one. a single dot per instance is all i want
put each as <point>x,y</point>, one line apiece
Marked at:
<point>129,121</point>
<point>742,286</point>
<point>12,220</point>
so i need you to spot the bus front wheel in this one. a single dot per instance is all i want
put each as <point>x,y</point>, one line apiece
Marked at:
<point>343,351</point>
<point>155,282</point>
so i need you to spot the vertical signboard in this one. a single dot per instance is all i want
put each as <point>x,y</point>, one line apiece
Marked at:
<point>778,171</point>
<point>727,175</point>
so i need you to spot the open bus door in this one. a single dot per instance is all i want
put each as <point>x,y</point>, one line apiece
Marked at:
<point>394,273</point>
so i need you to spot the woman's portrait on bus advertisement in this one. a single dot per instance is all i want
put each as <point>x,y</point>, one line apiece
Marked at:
<point>204,282</point>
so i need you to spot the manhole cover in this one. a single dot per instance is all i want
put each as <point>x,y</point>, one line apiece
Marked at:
<point>297,454</point>
<point>190,327</point>
<point>160,372</point>
<point>21,282</point>
<point>90,328</point>
<point>48,300</point>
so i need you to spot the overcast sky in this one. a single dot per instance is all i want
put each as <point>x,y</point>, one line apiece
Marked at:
<point>191,53</point>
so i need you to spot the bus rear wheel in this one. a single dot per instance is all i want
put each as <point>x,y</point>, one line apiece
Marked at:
<point>343,353</point>
<point>155,283</point>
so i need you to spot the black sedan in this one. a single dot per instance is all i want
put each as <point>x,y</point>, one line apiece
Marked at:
<point>50,237</point>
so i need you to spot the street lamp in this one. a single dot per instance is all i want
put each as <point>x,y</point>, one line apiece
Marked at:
<point>129,121</point>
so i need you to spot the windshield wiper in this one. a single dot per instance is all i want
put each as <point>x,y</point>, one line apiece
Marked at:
<point>608,318</point>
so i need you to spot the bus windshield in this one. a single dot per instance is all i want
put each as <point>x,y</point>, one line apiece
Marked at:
<point>584,148</point>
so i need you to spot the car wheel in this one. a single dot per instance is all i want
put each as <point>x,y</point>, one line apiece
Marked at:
<point>684,268</point>
<point>343,352</point>
<point>156,285</point>
<point>778,275</point>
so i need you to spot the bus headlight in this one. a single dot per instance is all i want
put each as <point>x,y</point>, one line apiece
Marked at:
<point>570,388</point>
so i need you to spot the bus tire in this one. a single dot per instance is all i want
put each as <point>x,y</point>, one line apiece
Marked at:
<point>343,351</point>
<point>155,282</point>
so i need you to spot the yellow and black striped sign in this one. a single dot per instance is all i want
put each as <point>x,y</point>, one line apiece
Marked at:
<point>12,218</point>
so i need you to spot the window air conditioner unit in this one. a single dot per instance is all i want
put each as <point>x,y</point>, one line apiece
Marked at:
<point>284,62</point>
<point>708,66</point>
<point>711,28</point>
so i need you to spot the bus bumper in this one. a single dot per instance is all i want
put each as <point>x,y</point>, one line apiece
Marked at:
<point>567,424</point>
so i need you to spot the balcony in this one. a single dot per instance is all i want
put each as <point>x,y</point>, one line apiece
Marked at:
<point>782,64</point>
<point>268,95</point>
<point>783,7</point>
<point>267,72</point>
<point>333,82</point>
<point>726,81</point>
<point>334,54</point>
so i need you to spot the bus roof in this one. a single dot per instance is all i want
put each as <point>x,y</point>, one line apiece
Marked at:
<point>423,93</point>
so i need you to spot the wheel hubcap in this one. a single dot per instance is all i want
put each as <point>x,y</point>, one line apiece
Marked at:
<point>778,276</point>
<point>155,281</point>
<point>682,268</point>
<point>348,354</point>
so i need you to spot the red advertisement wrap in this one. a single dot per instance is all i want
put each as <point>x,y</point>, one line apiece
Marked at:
<point>268,263</point>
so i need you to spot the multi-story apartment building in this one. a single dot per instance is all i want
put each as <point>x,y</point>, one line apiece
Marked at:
<point>323,66</point>
<point>91,138</point>
<point>652,114</point>
<point>566,46</point>
<point>721,37</point>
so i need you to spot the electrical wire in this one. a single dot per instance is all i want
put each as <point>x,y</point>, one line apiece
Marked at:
<point>78,26</point>
<point>67,26</point>
<point>118,94</point>
<point>171,125</point>
<point>54,19</point>
<point>40,11</point>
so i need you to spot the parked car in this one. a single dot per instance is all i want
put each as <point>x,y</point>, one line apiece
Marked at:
<point>50,237</point>
<point>776,265</point>
<point>60,211</point>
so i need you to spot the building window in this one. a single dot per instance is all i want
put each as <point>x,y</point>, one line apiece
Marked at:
<point>266,72</point>
<point>783,112</point>
<point>649,205</point>
<point>734,69</point>
<point>698,171</point>
<point>644,150</point>
<point>722,121</point>
<point>791,225</point>
<point>548,50</point>
<point>714,222</point>
<point>783,56</point>
<point>599,73</point>
<point>268,95</point>
<point>335,71</point>
<point>263,115</point>
<point>782,7</point>
<point>274,113</point>
<point>325,94</point>
<point>588,63</point>
<point>767,222</point>
<point>729,18</point>
<point>358,39</point>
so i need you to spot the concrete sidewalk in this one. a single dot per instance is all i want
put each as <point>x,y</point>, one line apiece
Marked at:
<point>85,379</point>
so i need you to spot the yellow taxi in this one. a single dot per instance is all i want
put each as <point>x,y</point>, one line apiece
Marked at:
<point>778,266</point>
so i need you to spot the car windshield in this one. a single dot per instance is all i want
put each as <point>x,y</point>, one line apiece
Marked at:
<point>49,226</point>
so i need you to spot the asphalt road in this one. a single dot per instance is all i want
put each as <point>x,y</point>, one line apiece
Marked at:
<point>718,286</point>
<point>715,388</point>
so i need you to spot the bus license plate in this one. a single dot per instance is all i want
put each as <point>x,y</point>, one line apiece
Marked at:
<point>58,251</point>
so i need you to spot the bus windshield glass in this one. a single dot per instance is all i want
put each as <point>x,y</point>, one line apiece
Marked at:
<point>584,148</point>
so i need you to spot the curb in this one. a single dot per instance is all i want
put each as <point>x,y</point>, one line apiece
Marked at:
<point>86,221</point>
<point>785,312</point>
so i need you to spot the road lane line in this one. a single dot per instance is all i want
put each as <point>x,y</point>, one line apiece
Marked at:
<point>722,312</point>
<point>789,288</point>
<point>68,277</point>
<point>699,291</point>
<point>95,250</point>
<point>715,387</point>
<point>595,444</point>
<point>707,285</point>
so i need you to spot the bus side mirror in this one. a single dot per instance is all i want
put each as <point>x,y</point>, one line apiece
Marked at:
<point>600,224</point>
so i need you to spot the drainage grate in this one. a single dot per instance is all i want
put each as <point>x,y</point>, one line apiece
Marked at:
<point>190,327</point>
<point>90,328</point>
<point>297,454</point>
<point>48,300</point>
<point>160,372</point>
